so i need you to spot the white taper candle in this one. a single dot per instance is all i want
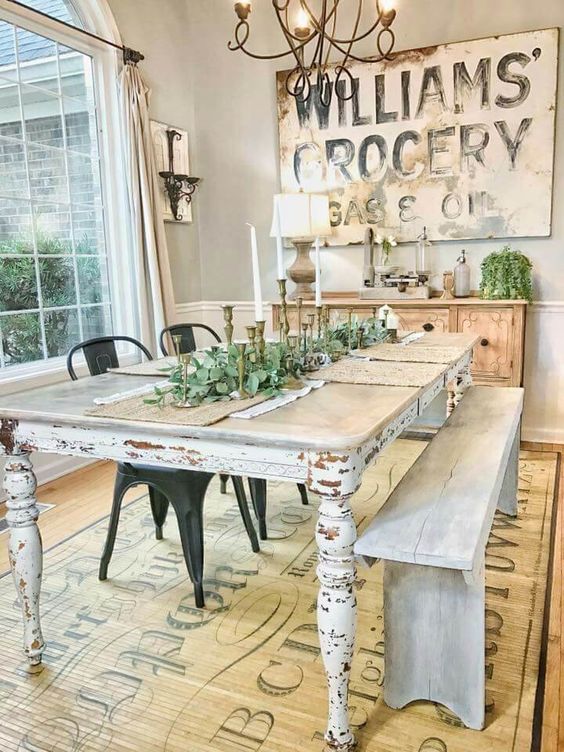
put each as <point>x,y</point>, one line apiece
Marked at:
<point>279,246</point>
<point>256,274</point>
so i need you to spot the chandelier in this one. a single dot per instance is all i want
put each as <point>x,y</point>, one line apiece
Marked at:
<point>312,35</point>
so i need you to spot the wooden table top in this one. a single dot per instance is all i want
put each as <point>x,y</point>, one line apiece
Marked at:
<point>338,416</point>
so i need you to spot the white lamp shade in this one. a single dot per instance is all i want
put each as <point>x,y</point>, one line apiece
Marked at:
<point>302,215</point>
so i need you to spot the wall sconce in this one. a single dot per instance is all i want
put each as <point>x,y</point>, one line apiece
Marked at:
<point>178,187</point>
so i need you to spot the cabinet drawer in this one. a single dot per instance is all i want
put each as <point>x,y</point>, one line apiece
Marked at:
<point>426,319</point>
<point>493,353</point>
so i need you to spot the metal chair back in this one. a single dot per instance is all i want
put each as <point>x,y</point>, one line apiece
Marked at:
<point>186,332</point>
<point>100,354</point>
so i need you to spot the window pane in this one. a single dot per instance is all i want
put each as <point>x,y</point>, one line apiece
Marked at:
<point>88,227</point>
<point>93,280</point>
<point>76,77</point>
<point>10,113</point>
<point>18,284</point>
<point>13,173</point>
<point>34,47</point>
<point>84,180</point>
<point>42,115</point>
<point>7,51</point>
<point>61,332</point>
<point>15,227</point>
<point>21,338</point>
<point>80,127</point>
<point>47,173</point>
<point>57,281</point>
<point>96,322</point>
<point>53,229</point>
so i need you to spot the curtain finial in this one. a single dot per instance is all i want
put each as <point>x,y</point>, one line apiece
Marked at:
<point>131,57</point>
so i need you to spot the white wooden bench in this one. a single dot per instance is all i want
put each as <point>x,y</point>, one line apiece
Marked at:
<point>431,534</point>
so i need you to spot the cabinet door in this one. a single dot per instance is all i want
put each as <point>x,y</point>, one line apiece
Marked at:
<point>426,319</point>
<point>493,353</point>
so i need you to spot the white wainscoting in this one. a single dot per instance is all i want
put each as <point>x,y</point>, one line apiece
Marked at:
<point>544,373</point>
<point>543,420</point>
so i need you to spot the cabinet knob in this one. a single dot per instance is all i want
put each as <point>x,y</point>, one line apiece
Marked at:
<point>484,342</point>
<point>428,327</point>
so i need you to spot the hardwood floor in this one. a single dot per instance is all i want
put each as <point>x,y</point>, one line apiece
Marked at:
<point>85,496</point>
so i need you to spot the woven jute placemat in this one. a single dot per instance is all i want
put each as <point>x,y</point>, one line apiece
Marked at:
<point>413,354</point>
<point>134,408</point>
<point>351,371</point>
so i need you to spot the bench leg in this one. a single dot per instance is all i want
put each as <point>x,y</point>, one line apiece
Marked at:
<point>508,497</point>
<point>434,622</point>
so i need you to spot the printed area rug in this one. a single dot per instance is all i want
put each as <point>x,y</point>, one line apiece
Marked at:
<point>133,666</point>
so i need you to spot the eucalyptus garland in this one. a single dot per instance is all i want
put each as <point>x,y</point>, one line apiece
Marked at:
<point>214,376</point>
<point>506,275</point>
<point>372,332</point>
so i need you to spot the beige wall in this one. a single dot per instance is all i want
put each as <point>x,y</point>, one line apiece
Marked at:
<point>237,142</point>
<point>159,29</point>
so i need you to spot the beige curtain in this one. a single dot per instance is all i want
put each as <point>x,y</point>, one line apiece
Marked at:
<point>153,280</point>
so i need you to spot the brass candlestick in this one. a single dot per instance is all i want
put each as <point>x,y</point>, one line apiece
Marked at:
<point>304,330</point>
<point>310,320</point>
<point>349,315</point>
<point>284,323</point>
<point>228,328</point>
<point>359,338</point>
<point>299,303</point>
<point>326,324</point>
<point>177,341</point>
<point>319,311</point>
<point>251,334</point>
<point>184,359</point>
<point>241,347</point>
<point>261,343</point>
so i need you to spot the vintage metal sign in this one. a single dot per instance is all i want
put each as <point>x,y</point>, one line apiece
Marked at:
<point>459,138</point>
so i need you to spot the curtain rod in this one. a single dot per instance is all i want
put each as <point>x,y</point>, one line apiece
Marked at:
<point>129,55</point>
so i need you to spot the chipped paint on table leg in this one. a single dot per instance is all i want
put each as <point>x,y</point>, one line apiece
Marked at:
<point>336,612</point>
<point>25,549</point>
<point>463,382</point>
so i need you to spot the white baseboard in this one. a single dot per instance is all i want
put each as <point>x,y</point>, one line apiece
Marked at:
<point>49,467</point>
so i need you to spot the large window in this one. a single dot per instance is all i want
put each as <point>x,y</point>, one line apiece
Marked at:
<point>54,288</point>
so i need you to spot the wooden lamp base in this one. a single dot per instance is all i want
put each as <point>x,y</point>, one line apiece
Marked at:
<point>302,271</point>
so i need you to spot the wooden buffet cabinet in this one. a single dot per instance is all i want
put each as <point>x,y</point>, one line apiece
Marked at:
<point>500,324</point>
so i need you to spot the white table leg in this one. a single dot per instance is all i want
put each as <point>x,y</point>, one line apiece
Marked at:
<point>457,388</point>
<point>25,549</point>
<point>336,612</point>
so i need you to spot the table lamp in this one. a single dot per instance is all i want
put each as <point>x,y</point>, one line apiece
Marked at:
<point>301,217</point>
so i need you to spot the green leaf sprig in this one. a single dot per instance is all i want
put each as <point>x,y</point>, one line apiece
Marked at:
<point>214,376</point>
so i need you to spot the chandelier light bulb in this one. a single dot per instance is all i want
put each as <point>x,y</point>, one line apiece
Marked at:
<point>302,20</point>
<point>386,6</point>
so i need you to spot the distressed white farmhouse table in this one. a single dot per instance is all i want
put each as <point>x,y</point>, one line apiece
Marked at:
<point>325,440</point>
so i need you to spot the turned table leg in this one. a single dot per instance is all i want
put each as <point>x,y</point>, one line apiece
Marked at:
<point>336,612</point>
<point>25,549</point>
<point>457,389</point>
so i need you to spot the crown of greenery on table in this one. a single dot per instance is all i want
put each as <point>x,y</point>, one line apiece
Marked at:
<point>366,331</point>
<point>217,374</point>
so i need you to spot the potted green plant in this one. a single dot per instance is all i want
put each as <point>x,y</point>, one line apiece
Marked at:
<point>506,275</point>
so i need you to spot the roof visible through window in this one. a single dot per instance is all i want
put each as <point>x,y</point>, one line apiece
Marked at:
<point>59,9</point>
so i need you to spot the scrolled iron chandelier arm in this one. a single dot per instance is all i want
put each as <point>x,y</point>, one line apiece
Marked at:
<point>318,34</point>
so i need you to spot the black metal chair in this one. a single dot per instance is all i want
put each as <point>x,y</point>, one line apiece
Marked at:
<point>184,489</point>
<point>257,486</point>
<point>186,332</point>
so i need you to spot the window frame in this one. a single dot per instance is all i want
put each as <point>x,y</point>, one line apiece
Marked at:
<point>106,63</point>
